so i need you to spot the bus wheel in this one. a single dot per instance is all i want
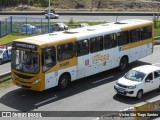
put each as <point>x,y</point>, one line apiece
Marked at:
<point>64,82</point>
<point>0,61</point>
<point>123,63</point>
<point>139,94</point>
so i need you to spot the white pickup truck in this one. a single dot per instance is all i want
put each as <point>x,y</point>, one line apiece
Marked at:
<point>5,54</point>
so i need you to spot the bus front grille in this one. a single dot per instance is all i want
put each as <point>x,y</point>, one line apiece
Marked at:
<point>24,76</point>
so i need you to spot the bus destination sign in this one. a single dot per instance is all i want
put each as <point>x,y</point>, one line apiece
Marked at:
<point>25,46</point>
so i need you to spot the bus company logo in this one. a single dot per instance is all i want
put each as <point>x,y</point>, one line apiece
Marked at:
<point>6,114</point>
<point>100,57</point>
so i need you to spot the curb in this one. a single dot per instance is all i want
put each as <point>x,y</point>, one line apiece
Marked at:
<point>81,13</point>
<point>5,75</point>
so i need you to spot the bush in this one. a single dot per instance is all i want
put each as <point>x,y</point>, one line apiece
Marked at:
<point>156,21</point>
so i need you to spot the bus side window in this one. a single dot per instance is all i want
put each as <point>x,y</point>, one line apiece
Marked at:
<point>65,51</point>
<point>82,47</point>
<point>49,58</point>
<point>123,38</point>
<point>135,35</point>
<point>110,41</point>
<point>96,44</point>
<point>146,32</point>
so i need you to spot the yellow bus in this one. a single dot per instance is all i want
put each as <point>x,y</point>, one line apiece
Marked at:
<point>56,59</point>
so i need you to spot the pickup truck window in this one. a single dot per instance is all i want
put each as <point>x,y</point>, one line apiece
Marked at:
<point>156,74</point>
<point>149,77</point>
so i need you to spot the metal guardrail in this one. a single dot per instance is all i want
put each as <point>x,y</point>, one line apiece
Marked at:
<point>157,38</point>
<point>9,73</point>
<point>99,13</point>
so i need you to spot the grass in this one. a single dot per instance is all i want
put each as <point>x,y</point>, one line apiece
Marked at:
<point>5,82</point>
<point>11,37</point>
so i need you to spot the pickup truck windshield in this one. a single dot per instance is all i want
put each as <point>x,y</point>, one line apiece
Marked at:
<point>25,61</point>
<point>135,75</point>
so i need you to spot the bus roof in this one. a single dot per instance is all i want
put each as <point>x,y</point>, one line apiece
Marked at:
<point>85,32</point>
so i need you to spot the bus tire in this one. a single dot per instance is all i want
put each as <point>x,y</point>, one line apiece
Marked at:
<point>0,61</point>
<point>123,63</point>
<point>64,82</point>
<point>139,94</point>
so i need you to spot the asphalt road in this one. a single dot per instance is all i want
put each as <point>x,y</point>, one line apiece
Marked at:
<point>5,67</point>
<point>94,93</point>
<point>67,18</point>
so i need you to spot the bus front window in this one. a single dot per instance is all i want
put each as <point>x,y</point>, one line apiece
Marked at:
<point>48,58</point>
<point>25,61</point>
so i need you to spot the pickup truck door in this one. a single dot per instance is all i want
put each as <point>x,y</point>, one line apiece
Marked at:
<point>157,78</point>
<point>149,84</point>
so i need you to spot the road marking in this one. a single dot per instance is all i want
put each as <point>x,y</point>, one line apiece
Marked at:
<point>50,99</point>
<point>103,79</point>
<point>156,64</point>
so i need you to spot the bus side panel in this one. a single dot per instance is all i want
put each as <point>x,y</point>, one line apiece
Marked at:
<point>71,70</point>
<point>146,47</point>
<point>122,51</point>
<point>52,76</point>
<point>115,60</point>
<point>96,62</point>
<point>50,80</point>
<point>83,62</point>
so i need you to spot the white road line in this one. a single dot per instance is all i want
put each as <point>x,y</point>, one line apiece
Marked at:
<point>156,64</point>
<point>50,99</point>
<point>103,79</point>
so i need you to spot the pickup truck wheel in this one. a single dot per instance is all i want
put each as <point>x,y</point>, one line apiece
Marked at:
<point>139,94</point>
<point>0,61</point>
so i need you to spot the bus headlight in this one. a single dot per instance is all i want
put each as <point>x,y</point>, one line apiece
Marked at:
<point>36,81</point>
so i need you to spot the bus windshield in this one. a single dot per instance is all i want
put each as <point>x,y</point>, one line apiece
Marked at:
<point>25,61</point>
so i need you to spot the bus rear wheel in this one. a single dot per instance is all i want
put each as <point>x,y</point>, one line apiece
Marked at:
<point>64,82</point>
<point>123,63</point>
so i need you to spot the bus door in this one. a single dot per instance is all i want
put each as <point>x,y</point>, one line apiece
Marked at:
<point>96,48</point>
<point>49,61</point>
<point>84,67</point>
<point>91,66</point>
<point>111,51</point>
